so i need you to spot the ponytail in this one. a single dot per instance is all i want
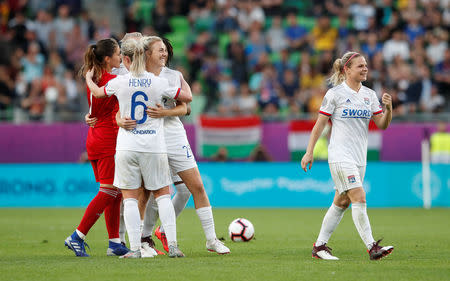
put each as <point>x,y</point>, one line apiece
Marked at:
<point>138,59</point>
<point>337,74</point>
<point>94,57</point>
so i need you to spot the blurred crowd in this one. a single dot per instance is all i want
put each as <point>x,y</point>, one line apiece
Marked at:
<point>267,57</point>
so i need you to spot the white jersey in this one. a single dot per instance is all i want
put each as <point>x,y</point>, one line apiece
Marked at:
<point>174,131</point>
<point>135,94</point>
<point>122,70</point>
<point>350,114</point>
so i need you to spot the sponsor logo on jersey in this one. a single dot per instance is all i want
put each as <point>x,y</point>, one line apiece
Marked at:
<point>143,132</point>
<point>356,113</point>
<point>351,179</point>
<point>367,101</point>
<point>135,82</point>
<point>348,101</point>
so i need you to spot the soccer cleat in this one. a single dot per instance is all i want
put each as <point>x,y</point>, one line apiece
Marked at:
<point>132,255</point>
<point>77,245</point>
<point>323,252</point>
<point>217,246</point>
<point>174,252</point>
<point>147,251</point>
<point>377,252</point>
<point>162,237</point>
<point>116,249</point>
<point>149,241</point>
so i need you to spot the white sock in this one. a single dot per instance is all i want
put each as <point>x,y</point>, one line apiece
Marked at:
<point>132,220</point>
<point>330,221</point>
<point>206,218</point>
<point>141,227</point>
<point>122,228</point>
<point>115,240</point>
<point>80,234</point>
<point>180,200</point>
<point>361,221</point>
<point>167,216</point>
<point>150,217</point>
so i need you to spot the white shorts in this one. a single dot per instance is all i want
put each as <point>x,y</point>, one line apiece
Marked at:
<point>347,176</point>
<point>181,159</point>
<point>133,166</point>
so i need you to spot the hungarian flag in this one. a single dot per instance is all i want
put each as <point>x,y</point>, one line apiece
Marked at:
<point>298,138</point>
<point>239,135</point>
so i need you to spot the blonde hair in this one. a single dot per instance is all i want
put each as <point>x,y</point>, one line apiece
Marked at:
<point>132,35</point>
<point>135,49</point>
<point>150,40</point>
<point>338,75</point>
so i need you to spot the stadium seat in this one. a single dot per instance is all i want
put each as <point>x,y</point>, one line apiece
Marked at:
<point>179,24</point>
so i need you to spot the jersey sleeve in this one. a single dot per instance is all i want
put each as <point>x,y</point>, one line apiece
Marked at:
<point>375,105</point>
<point>112,86</point>
<point>172,92</point>
<point>328,104</point>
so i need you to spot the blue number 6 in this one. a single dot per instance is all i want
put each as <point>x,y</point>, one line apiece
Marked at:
<point>135,103</point>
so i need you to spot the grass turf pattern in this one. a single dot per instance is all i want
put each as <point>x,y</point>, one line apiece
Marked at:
<point>32,248</point>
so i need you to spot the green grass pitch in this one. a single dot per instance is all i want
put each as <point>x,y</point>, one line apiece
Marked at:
<point>32,248</point>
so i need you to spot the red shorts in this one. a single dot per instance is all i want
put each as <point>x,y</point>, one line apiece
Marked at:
<point>104,170</point>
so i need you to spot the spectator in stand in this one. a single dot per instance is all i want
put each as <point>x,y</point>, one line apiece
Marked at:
<point>228,104</point>
<point>283,64</point>
<point>196,53</point>
<point>63,26</point>
<point>255,48</point>
<point>250,13</point>
<point>323,36</point>
<point>289,84</point>
<point>268,89</point>
<point>437,46</point>
<point>44,27</point>
<point>296,35</point>
<point>7,93</point>
<point>361,12</point>
<point>246,102</point>
<point>275,35</point>
<point>396,46</point>
<point>434,103</point>
<point>372,46</point>
<point>227,17</point>
<point>420,89</point>
<point>32,63</point>
<point>75,47</point>
<point>160,18</point>
<point>413,28</point>
<point>442,75</point>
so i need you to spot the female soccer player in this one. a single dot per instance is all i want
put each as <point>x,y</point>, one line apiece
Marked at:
<point>101,144</point>
<point>186,175</point>
<point>351,106</point>
<point>142,153</point>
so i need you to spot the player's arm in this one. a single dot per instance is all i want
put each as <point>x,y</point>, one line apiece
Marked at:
<point>95,90</point>
<point>321,122</point>
<point>126,122</point>
<point>382,120</point>
<point>185,93</point>
<point>159,111</point>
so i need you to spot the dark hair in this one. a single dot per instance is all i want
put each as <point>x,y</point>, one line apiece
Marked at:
<point>95,55</point>
<point>169,50</point>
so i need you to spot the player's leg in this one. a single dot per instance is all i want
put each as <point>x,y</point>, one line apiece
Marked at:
<point>361,219</point>
<point>132,221</point>
<point>168,220</point>
<point>193,181</point>
<point>128,178</point>
<point>330,221</point>
<point>156,175</point>
<point>106,195</point>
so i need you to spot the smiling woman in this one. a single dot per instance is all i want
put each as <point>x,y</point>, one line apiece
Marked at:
<point>350,106</point>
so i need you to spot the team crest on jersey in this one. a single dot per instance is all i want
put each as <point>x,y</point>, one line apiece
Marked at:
<point>351,179</point>
<point>367,101</point>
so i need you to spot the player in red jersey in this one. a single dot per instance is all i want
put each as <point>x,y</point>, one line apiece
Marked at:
<point>101,147</point>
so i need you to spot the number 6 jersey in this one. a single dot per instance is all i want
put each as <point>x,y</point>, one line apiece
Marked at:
<point>135,94</point>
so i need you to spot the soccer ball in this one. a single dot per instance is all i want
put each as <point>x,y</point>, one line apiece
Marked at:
<point>241,230</point>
